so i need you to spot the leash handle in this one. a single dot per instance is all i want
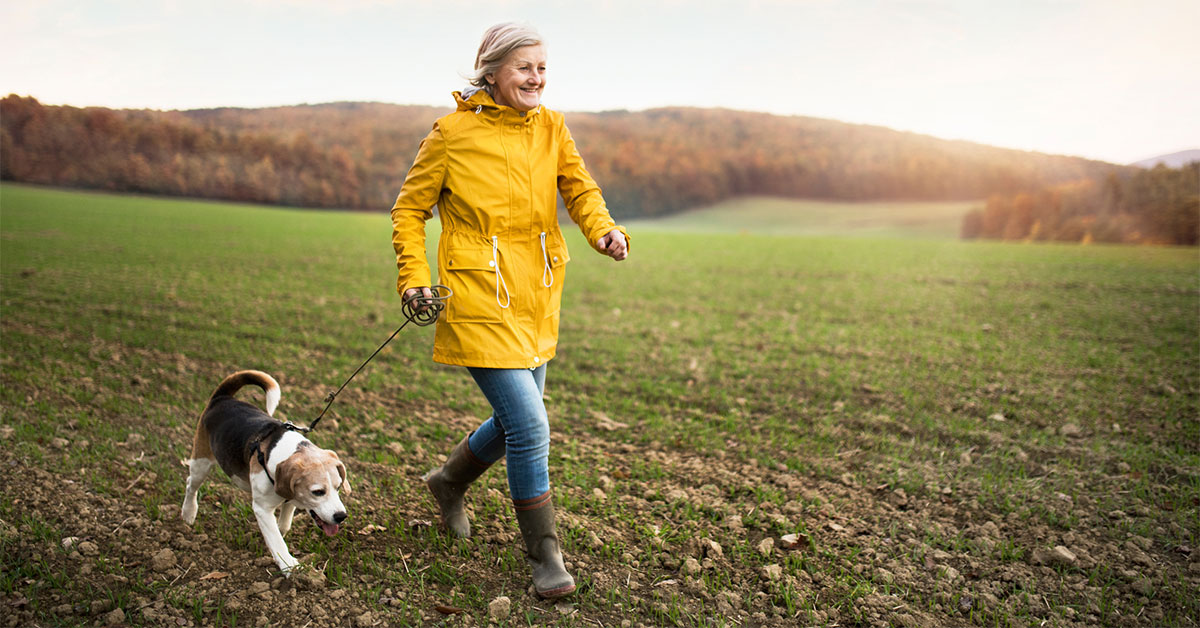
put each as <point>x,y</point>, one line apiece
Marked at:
<point>424,310</point>
<point>418,309</point>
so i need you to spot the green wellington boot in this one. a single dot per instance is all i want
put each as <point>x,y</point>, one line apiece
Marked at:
<point>550,577</point>
<point>449,483</point>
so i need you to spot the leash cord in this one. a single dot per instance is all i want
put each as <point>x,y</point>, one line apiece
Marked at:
<point>418,309</point>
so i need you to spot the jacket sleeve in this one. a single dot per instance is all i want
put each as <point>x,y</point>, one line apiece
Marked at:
<point>414,207</point>
<point>580,193</point>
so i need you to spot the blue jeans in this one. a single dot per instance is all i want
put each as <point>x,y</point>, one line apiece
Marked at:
<point>518,428</point>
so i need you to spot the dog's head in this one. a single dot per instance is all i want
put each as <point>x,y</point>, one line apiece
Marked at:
<point>312,478</point>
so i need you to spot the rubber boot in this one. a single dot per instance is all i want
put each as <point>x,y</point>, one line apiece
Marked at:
<point>449,483</point>
<point>550,577</point>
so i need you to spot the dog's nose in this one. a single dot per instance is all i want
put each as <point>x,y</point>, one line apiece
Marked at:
<point>339,517</point>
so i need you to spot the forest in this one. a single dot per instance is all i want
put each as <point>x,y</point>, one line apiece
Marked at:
<point>1156,206</point>
<point>649,163</point>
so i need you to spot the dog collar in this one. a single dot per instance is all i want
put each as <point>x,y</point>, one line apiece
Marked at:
<point>269,432</point>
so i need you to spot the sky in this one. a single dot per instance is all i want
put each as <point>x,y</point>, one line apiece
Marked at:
<point>1116,80</point>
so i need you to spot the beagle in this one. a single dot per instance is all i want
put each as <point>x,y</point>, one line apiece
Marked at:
<point>277,465</point>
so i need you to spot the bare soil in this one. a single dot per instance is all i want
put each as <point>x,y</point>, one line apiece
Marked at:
<point>852,535</point>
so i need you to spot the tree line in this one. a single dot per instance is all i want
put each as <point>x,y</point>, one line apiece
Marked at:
<point>649,163</point>
<point>1156,206</point>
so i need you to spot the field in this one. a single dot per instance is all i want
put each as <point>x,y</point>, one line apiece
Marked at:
<point>778,216</point>
<point>748,429</point>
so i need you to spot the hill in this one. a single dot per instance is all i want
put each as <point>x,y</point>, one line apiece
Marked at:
<point>650,163</point>
<point>781,216</point>
<point>1172,160</point>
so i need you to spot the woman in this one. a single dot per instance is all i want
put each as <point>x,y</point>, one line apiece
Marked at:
<point>492,168</point>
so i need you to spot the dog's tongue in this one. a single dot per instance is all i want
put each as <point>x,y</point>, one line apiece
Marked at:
<point>329,529</point>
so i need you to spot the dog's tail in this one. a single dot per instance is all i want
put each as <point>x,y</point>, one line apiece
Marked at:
<point>235,382</point>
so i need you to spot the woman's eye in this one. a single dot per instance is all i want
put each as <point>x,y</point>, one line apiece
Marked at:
<point>319,492</point>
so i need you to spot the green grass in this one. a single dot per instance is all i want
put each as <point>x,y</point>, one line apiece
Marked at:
<point>782,382</point>
<point>782,216</point>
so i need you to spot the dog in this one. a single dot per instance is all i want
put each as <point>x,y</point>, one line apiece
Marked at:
<point>280,468</point>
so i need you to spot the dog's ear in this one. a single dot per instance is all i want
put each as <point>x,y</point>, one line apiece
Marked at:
<point>341,468</point>
<point>286,478</point>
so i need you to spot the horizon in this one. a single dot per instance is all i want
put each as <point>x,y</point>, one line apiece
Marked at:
<point>1097,80</point>
<point>632,111</point>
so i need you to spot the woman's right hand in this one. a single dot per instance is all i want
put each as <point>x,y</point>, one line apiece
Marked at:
<point>423,292</point>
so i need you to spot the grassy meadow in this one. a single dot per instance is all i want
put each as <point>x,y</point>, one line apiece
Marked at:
<point>748,428</point>
<point>785,216</point>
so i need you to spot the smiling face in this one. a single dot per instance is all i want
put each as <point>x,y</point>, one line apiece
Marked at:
<point>521,78</point>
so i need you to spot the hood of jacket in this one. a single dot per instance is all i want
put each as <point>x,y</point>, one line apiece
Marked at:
<point>478,99</point>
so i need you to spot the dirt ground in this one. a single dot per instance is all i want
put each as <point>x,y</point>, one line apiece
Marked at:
<point>725,561</point>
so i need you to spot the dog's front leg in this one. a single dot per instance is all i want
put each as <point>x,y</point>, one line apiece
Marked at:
<point>265,513</point>
<point>285,517</point>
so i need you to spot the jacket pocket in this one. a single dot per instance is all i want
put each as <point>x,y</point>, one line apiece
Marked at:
<point>471,274</point>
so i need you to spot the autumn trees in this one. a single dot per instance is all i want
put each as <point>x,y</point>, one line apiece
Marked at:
<point>650,163</point>
<point>167,153</point>
<point>1157,206</point>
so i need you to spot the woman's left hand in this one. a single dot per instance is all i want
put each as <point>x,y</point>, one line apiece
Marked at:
<point>614,245</point>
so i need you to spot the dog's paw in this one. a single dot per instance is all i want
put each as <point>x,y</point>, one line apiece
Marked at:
<point>188,514</point>
<point>289,566</point>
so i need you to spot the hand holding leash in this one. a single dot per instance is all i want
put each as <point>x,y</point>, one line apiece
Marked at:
<point>423,305</point>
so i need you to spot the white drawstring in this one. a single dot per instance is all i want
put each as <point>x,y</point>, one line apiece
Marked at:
<point>479,108</point>
<point>546,270</point>
<point>499,277</point>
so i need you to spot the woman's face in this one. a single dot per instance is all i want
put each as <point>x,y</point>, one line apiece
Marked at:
<point>521,78</point>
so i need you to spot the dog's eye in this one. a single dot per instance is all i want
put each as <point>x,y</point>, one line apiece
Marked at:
<point>319,492</point>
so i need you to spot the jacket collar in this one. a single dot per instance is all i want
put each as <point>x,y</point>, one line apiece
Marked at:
<point>479,100</point>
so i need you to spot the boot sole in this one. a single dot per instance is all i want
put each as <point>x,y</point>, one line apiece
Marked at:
<point>554,594</point>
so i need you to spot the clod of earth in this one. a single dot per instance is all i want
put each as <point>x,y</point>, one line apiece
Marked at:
<point>772,572</point>
<point>500,608</point>
<point>163,560</point>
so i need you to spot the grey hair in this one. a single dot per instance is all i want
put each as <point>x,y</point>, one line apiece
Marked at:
<point>497,42</point>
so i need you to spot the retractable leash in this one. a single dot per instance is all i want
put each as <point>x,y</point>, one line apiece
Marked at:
<point>418,309</point>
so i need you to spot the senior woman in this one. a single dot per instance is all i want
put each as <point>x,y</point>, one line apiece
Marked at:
<point>493,168</point>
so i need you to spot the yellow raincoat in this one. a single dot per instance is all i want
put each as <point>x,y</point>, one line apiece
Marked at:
<point>493,173</point>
